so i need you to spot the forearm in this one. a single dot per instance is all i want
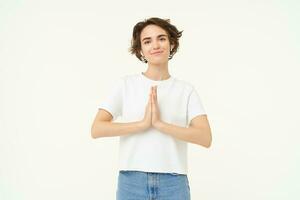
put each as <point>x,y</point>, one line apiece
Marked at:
<point>110,129</point>
<point>200,136</point>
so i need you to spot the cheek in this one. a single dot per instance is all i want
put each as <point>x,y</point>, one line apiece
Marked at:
<point>144,48</point>
<point>146,51</point>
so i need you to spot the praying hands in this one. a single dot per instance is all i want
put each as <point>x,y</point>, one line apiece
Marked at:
<point>198,131</point>
<point>152,114</point>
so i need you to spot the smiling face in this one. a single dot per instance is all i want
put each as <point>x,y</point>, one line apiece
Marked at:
<point>155,44</point>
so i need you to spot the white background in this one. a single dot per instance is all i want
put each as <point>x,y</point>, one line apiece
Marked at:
<point>59,58</point>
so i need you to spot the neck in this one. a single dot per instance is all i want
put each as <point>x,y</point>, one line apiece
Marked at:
<point>157,71</point>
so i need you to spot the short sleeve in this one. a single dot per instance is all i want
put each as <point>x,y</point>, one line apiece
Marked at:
<point>113,101</point>
<point>195,106</point>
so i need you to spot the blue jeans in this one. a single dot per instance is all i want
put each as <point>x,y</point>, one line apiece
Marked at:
<point>138,185</point>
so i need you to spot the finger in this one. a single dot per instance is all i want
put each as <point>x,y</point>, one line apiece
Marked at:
<point>150,101</point>
<point>152,98</point>
<point>155,94</point>
<point>151,91</point>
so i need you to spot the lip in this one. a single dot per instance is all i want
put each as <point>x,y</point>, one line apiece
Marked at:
<point>156,53</point>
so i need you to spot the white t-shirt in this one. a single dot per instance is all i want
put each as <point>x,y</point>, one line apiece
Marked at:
<point>152,150</point>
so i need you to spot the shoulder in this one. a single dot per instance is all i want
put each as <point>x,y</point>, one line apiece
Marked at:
<point>129,77</point>
<point>127,80</point>
<point>186,85</point>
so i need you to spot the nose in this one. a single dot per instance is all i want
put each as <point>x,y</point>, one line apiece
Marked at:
<point>156,45</point>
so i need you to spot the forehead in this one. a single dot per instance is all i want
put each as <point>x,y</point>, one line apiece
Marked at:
<point>152,31</point>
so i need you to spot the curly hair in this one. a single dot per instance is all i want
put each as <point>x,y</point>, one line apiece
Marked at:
<point>172,32</point>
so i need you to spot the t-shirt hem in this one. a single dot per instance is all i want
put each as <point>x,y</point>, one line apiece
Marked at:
<point>184,172</point>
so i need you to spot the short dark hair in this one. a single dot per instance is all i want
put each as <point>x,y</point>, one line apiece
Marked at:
<point>173,35</point>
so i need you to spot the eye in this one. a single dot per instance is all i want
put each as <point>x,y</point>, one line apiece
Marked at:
<point>162,39</point>
<point>146,42</point>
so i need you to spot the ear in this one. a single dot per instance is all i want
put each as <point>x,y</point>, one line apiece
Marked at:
<point>172,47</point>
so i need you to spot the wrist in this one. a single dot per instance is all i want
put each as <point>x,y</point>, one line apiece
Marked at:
<point>158,125</point>
<point>142,125</point>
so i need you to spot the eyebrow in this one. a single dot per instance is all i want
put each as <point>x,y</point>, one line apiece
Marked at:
<point>161,35</point>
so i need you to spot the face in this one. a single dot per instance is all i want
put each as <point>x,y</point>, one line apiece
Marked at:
<point>155,44</point>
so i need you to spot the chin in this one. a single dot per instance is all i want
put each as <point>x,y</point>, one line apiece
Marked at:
<point>159,61</point>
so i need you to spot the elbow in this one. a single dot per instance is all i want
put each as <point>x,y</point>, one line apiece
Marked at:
<point>209,141</point>
<point>208,144</point>
<point>98,130</point>
<point>94,134</point>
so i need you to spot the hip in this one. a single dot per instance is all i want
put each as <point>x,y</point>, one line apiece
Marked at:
<point>141,185</point>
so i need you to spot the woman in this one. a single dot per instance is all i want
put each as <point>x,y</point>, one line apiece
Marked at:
<point>160,115</point>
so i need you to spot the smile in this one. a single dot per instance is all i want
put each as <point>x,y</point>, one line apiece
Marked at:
<point>157,53</point>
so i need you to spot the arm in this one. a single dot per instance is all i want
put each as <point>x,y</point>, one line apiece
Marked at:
<point>198,132</point>
<point>104,127</point>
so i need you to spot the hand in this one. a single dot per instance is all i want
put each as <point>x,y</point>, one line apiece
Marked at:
<point>147,122</point>
<point>152,114</point>
<point>154,108</point>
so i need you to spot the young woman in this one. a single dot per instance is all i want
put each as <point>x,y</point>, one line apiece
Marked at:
<point>160,115</point>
